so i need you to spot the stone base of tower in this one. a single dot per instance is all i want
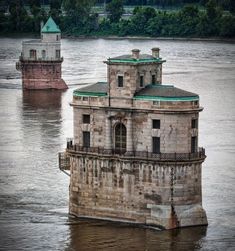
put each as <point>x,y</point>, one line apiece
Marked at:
<point>183,216</point>
<point>42,84</point>
<point>137,191</point>
<point>41,74</point>
<point>160,217</point>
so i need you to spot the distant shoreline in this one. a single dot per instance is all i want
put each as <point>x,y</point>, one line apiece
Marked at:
<point>203,39</point>
<point>212,39</point>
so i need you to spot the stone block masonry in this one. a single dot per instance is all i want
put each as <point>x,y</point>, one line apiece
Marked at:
<point>136,191</point>
<point>42,75</point>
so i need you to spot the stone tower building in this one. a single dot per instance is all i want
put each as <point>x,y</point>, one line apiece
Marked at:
<point>135,156</point>
<point>40,60</point>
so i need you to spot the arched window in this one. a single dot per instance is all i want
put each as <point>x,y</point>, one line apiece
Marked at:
<point>33,54</point>
<point>120,138</point>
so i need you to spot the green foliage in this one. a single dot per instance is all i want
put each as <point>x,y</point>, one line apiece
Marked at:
<point>189,21</point>
<point>77,11</point>
<point>115,9</point>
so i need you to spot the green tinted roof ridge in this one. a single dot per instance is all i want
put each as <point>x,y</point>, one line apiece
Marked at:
<point>159,98</point>
<point>50,27</point>
<point>136,61</point>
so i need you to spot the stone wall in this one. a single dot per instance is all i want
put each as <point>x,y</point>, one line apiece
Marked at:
<point>136,191</point>
<point>50,49</point>
<point>131,78</point>
<point>136,104</point>
<point>42,75</point>
<point>175,129</point>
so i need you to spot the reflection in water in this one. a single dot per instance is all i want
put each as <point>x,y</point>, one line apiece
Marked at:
<point>98,235</point>
<point>42,98</point>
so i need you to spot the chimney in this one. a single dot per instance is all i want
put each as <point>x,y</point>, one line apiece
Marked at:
<point>135,53</point>
<point>155,52</point>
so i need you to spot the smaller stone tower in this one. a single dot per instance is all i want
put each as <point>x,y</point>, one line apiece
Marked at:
<point>40,60</point>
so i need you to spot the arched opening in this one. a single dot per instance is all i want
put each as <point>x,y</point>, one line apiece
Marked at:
<point>120,138</point>
<point>33,54</point>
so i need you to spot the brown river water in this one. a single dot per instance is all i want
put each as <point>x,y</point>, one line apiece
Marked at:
<point>34,127</point>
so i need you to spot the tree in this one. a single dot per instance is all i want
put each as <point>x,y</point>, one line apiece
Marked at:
<point>55,4</point>
<point>115,9</point>
<point>78,10</point>
<point>17,15</point>
<point>35,6</point>
<point>55,9</point>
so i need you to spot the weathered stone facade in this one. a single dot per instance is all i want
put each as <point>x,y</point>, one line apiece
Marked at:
<point>40,60</point>
<point>135,157</point>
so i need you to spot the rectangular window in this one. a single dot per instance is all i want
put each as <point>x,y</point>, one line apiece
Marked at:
<point>86,119</point>
<point>156,144</point>
<point>156,124</point>
<point>33,54</point>
<point>153,79</point>
<point>194,123</point>
<point>86,139</point>
<point>141,81</point>
<point>120,81</point>
<point>57,53</point>
<point>43,54</point>
<point>194,144</point>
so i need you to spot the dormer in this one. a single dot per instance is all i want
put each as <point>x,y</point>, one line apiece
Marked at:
<point>50,32</point>
<point>128,74</point>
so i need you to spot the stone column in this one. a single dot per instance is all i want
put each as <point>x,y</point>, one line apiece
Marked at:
<point>108,144</point>
<point>129,140</point>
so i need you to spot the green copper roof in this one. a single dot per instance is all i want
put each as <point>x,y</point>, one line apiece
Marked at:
<point>96,90</point>
<point>158,98</point>
<point>50,27</point>
<point>143,58</point>
<point>165,93</point>
<point>156,92</point>
<point>136,61</point>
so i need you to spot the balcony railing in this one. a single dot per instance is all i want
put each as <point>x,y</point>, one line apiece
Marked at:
<point>75,148</point>
<point>40,59</point>
<point>64,161</point>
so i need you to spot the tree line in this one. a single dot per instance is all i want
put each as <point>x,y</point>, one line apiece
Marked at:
<point>197,18</point>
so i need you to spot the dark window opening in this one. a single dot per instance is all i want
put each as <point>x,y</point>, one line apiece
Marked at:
<point>194,144</point>
<point>194,123</point>
<point>120,81</point>
<point>43,54</point>
<point>141,81</point>
<point>156,144</point>
<point>86,139</point>
<point>86,119</point>
<point>156,123</point>
<point>153,79</point>
<point>33,54</point>
<point>57,53</point>
<point>120,138</point>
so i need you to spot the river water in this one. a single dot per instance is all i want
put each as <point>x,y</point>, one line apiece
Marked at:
<point>34,126</point>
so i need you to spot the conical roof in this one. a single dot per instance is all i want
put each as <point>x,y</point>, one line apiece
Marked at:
<point>50,27</point>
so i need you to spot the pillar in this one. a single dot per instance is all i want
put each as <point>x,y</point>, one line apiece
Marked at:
<point>129,140</point>
<point>108,144</point>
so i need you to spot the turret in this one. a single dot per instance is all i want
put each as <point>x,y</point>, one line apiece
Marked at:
<point>128,74</point>
<point>40,60</point>
<point>50,32</point>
